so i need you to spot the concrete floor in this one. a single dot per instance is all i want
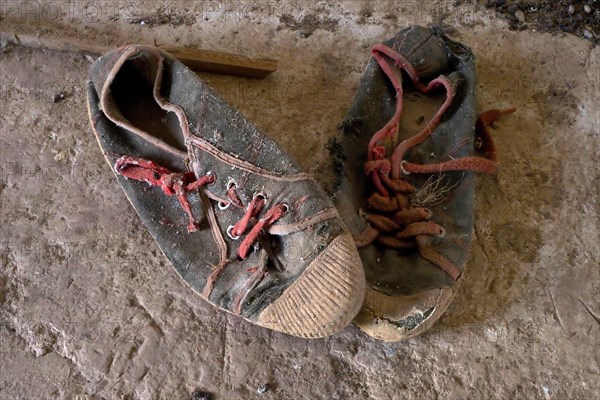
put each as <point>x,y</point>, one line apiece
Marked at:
<point>90,309</point>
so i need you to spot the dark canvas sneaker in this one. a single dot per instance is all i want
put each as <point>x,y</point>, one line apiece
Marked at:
<point>408,154</point>
<point>239,221</point>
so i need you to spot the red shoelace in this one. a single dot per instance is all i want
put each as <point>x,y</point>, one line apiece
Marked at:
<point>179,184</point>
<point>396,223</point>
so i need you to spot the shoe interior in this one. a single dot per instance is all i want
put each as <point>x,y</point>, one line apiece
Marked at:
<point>132,92</point>
<point>417,109</point>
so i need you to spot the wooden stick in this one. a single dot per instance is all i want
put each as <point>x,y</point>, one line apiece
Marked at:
<point>224,63</point>
<point>196,59</point>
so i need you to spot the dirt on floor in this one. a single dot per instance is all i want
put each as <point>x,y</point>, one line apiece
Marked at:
<point>578,17</point>
<point>90,309</point>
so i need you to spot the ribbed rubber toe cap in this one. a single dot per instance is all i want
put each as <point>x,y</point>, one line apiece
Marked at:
<point>325,298</point>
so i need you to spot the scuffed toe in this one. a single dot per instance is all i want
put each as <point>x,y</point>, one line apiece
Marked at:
<point>325,298</point>
<point>396,318</point>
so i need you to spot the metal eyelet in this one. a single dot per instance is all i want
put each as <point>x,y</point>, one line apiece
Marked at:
<point>229,229</point>
<point>260,194</point>
<point>405,172</point>
<point>223,205</point>
<point>210,173</point>
<point>442,233</point>
<point>230,183</point>
<point>287,208</point>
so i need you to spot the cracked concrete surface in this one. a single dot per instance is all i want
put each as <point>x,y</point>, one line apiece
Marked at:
<point>90,309</point>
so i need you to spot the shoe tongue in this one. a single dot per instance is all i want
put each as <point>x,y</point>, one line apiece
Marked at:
<point>424,48</point>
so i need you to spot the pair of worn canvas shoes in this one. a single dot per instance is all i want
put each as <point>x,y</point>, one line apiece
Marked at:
<point>254,235</point>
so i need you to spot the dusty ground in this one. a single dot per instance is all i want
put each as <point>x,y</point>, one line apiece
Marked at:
<point>89,309</point>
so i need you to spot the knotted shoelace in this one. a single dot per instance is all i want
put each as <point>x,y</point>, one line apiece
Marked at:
<point>180,184</point>
<point>395,223</point>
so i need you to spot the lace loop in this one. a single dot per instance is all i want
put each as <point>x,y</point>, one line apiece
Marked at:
<point>171,183</point>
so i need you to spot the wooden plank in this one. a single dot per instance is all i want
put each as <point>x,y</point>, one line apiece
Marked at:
<point>224,63</point>
<point>55,39</point>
